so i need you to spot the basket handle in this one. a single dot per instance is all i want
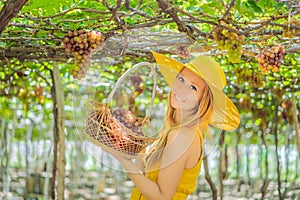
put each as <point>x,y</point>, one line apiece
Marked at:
<point>110,96</point>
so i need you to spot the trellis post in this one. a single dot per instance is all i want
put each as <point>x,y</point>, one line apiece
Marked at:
<point>59,135</point>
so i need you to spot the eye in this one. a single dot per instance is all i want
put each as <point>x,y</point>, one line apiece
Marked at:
<point>193,87</point>
<point>181,79</point>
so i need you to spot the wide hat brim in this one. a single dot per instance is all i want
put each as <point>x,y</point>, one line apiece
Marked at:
<point>225,114</point>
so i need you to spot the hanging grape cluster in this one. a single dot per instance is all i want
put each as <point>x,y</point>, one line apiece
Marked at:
<point>290,31</point>
<point>270,59</point>
<point>262,114</point>
<point>245,103</point>
<point>278,92</point>
<point>245,74</point>
<point>230,41</point>
<point>287,113</point>
<point>82,44</point>
<point>183,51</point>
<point>126,118</point>
<point>138,85</point>
<point>38,93</point>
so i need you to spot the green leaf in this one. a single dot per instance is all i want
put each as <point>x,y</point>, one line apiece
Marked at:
<point>42,34</point>
<point>254,6</point>
<point>246,10</point>
<point>3,45</point>
<point>266,4</point>
<point>237,5</point>
<point>213,8</point>
<point>46,7</point>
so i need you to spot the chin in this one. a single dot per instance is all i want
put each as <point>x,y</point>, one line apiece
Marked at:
<point>173,102</point>
<point>173,105</point>
<point>176,105</point>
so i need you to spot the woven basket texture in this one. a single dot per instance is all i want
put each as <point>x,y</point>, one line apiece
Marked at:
<point>106,131</point>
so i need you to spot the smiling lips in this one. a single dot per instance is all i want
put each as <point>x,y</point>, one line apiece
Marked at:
<point>178,98</point>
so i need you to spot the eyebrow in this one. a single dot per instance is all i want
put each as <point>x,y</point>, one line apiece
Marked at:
<point>193,83</point>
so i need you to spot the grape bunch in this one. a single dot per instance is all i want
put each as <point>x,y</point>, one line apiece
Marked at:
<point>270,59</point>
<point>126,118</point>
<point>183,51</point>
<point>230,41</point>
<point>245,103</point>
<point>82,44</point>
<point>245,74</point>
<point>287,113</point>
<point>278,92</point>
<point>138,85</point>
<point>38,93</point>
<point>290,31</point>
<point>136,80</point>
<point>261,113</point>
<point>256,80</point>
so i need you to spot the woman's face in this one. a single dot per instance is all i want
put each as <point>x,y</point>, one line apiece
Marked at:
<point>187,91</point>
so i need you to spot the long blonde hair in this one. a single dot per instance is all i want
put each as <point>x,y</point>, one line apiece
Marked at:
<point>202,117</point>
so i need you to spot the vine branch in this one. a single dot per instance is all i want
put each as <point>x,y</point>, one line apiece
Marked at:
<point>9,11</point>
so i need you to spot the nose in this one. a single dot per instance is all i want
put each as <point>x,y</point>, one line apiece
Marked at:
<point>180,85</point>
<point>180,88</point>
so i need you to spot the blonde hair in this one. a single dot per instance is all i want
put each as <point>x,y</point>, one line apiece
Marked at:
<point>201,117</point>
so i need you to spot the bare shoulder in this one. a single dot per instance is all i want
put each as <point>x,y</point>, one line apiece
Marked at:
<point>182,135</point>
<point>180,143</point>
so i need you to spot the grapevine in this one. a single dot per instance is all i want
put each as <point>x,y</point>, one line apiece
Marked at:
<point>245,103</point>
<point>270,59</point>
<point>278,92</point>
<point>244,74</point>
<point>230,41</point>
<point>287,113</point>
<point>183,51</point>
<point>289,31</point>
<point>38,93</point>
<point>137,84</point>
<point>261,114</point>
<point>82,44</point>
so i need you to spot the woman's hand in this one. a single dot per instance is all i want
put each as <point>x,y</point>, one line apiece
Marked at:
<point>129,164</point>
<point>117,156</point>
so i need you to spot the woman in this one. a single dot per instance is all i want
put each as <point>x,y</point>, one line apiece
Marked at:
<point>171,168</point>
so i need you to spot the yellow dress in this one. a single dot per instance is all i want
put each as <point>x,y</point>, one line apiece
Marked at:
<point>187,183</point>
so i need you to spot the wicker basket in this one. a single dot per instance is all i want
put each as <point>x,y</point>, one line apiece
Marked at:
<point>105,130</point>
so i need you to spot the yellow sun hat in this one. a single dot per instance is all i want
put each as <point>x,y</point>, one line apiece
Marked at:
<point>225,115</point>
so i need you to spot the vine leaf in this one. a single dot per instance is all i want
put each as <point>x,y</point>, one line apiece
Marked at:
<point>254,6</point>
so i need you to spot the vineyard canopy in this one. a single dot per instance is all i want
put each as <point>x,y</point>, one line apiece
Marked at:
<point>35,35</point>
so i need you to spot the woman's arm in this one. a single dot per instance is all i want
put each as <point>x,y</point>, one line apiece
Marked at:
<point>140,161</point>
<point>173,162</point>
